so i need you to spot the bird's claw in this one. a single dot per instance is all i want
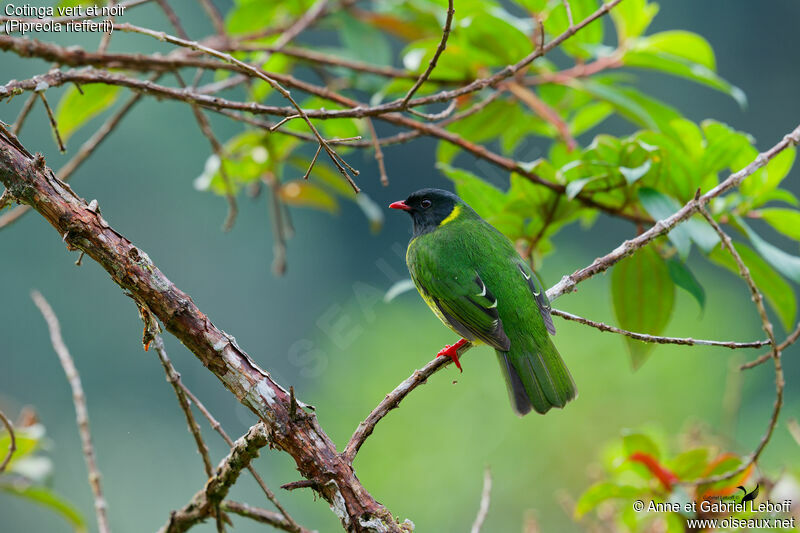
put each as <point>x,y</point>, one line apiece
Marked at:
<point>451,351</point>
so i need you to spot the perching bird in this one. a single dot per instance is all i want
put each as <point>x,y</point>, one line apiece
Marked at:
<point>471,276</point>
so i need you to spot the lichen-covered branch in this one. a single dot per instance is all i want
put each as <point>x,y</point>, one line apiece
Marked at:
<point>202,505</point>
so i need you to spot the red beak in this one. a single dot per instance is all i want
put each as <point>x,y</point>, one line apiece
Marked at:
<point>400,205</point>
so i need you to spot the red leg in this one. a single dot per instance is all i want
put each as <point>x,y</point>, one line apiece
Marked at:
<point>452,352</point>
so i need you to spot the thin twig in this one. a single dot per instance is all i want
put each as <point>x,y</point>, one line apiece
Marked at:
<point>174,379</point>
<point>263,516</point>
<point>791,339</point>
<point>105,40</point>
<point>766,325</point>
<point>242,453</point>
<point>216,426</point>
<point>486,495</point>
<point>53,123</point>
<point>307,19</point>
<point>686,341</point>
<point>86,149</point>
<point>547,113</point>
<point>662,227</point>
<point>23,114</point>
<point>378,152</point>
<point>214,15</point>
<point>439,49</point>
<point>276,214</point>
<point>569,12</point>
<point>433,117</point>
<point>81,413</point>
<point>393,399</point>
<point>219,151</point>
<point>12,441</point>
<point>194,45</point>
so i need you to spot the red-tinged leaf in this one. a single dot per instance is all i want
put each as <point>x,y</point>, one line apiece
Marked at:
<point>659,471</point>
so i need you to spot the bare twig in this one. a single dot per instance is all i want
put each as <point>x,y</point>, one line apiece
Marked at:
<point>686,341</point>
<point>219,151</point>
<point>308,18</point>
<point>432,65</point>
<point>662,227</point>
<point>791,339</point>
<point>53,123</point>
<point>214,15</point>
<point>263,516</point>
<point>569,12</point>
<point>378,152</point>
<point>486,495</point>
<point>546,112</point>
<point>86,149</point>
<point>81,413</point>
<point>256,72</point>
<point>216,426</point>
<point>244,450</point>
<point>393,399</point>
<point>12,441</point>
<point>23,114</point>
<point>766,325</point>
<point>174,379</point>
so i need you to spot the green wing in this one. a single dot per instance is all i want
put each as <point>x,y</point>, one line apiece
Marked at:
<point>468,306</point>
<point>539,294</point>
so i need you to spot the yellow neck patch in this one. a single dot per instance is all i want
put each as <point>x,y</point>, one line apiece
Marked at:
<point>452,216</point>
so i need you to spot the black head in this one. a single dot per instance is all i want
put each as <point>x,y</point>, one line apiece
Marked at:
<point>429,208</point>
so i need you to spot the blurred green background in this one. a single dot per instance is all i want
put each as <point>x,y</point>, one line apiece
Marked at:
<point>323,328</point>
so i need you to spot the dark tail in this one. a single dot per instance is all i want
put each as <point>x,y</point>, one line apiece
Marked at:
<point>536,378</point>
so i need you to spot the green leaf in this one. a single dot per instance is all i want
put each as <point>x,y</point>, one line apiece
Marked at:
<point>604,491</point>
<point>623,103</point>
<point>632,175</point>
<point>778,292</point>
<point>683,278</point>
<point>643,295</point>
<point>632,18</point>
<point>575,187</point>
<point>690,464</point>
<point>786,264</point>
<point>723,144</point>
<point>302,193</point>
<point>589,116</point>
<point>786,221</point>
<point>639,442</point>
<point>769,177</point>
<point>586,39</point>
<point>660,206</point>
<point>362,40</point>
<point>678,43</point>
<point>678,66</point>
<point>47,498</point>
<point>483,197</point>
<point>76,109</point>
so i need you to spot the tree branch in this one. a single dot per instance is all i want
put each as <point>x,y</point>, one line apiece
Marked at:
<point>31,182</point>
<point>12,441</point>
<point>439,49</point>
<point>202,505</point>
<point>81,413</point>
<point>644,337</point>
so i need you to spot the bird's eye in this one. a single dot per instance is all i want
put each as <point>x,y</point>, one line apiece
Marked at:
<point>425,204</point>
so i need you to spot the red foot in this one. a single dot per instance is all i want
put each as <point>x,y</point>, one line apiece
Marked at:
<point>452,352</point>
